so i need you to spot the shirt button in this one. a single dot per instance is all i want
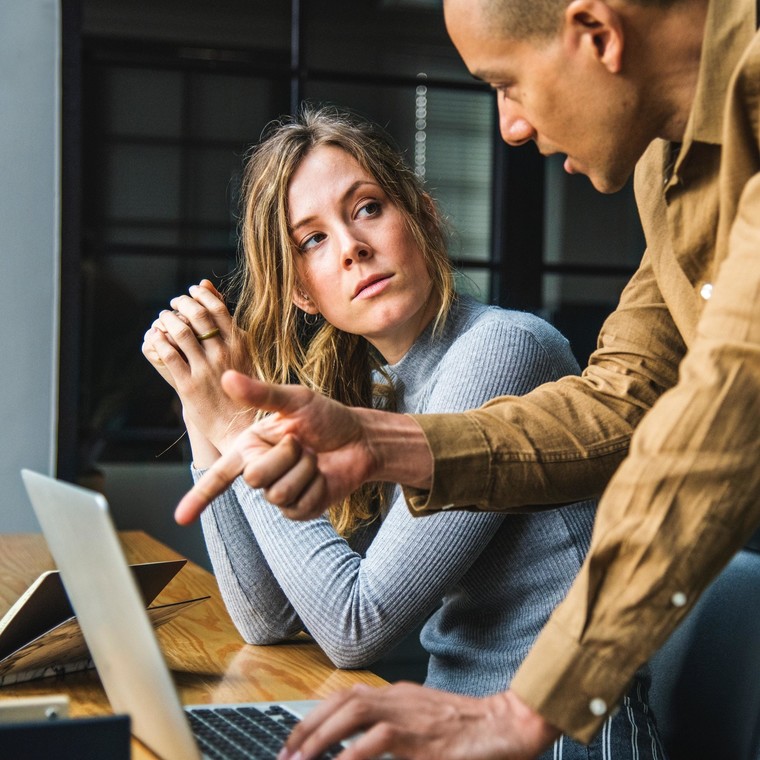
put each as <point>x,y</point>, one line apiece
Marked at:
<point>597,706</point>
<point>678,599</point>
<point>706,291</point>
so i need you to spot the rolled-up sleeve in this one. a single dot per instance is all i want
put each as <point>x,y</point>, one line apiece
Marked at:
<point>562,442</point>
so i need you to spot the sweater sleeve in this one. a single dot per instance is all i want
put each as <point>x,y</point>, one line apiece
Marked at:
<point>357,607</point>
<point>256,603</point>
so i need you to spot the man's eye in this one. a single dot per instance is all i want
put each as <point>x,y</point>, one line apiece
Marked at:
<point>503,90</point>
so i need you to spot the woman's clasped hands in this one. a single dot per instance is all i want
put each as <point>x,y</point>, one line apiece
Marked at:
<point>189,345</point>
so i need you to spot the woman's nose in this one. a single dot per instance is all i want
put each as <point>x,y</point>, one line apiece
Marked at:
<point>353,250</point>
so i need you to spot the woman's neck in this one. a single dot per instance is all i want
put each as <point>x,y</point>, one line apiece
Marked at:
<point>394,347</point>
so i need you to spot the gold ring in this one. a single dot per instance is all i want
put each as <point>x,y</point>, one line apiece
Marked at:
<point>210,334</point>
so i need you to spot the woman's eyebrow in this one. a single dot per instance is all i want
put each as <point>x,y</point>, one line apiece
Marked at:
<point>348,192</point>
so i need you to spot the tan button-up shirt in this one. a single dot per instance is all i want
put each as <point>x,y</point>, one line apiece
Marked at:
<point>678,362</point>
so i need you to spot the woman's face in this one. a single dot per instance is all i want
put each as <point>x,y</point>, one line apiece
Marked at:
<point>356,260</point>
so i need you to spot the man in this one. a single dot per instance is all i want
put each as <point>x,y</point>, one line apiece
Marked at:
<point>665,418</point>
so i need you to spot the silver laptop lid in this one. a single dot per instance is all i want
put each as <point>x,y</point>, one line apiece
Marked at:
<point>84,544</point>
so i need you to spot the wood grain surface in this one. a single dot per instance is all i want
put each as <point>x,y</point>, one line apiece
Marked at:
<point>207,657</point>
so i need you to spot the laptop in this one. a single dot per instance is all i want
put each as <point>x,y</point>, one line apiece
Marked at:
<point>85,546</point>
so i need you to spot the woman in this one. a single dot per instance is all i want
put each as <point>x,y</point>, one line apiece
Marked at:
<point>347,288</point>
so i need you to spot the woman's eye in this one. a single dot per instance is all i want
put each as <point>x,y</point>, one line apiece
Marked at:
<point>369,209</point>
<point>311,241</point>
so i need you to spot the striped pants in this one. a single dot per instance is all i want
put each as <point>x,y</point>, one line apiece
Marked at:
<point>630,734</point>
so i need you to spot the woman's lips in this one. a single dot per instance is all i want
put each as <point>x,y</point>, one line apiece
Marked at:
<point>372,286</point>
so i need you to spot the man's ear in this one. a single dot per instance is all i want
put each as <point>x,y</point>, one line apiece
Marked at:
<point>302,301</point>
<point>596,28</point>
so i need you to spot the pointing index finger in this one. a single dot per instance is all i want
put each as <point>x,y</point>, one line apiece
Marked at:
<point>211,484</point>
<point>268,397</point>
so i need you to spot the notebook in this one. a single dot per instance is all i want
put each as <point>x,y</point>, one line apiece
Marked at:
<point>40,636</point>
<point>85,546</point>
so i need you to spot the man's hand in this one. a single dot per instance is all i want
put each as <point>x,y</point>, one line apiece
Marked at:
<point>309,454</point>
<point>417,723</point>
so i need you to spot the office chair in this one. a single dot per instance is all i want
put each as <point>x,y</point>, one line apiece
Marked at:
<point>706,678</point>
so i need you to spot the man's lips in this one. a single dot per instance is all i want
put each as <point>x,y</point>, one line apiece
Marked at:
<point>371,285</point>
<point>567,164</point>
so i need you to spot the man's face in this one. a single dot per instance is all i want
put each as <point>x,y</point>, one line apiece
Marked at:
<point>557,93</point>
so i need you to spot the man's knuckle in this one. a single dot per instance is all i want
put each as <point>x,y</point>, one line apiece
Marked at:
<point>283,494</point>
<point>253,475</point>
<point>386,733</point>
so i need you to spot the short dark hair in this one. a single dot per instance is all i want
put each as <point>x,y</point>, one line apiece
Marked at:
<point>524,19</point>
<point>536,19</point>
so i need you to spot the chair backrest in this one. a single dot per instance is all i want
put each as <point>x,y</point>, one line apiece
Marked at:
<point>706,679</point>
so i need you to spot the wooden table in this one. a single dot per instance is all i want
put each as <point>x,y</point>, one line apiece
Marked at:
<point>207,657</point>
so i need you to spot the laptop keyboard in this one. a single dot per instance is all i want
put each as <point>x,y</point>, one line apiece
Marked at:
<point>244,732</point>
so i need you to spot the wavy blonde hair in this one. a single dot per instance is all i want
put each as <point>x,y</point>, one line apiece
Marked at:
<point>275,342</point>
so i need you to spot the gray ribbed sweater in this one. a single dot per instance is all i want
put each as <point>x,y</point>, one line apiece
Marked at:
<point>489,580</point>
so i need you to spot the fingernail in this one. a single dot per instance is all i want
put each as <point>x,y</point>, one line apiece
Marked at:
<point>192,288</point>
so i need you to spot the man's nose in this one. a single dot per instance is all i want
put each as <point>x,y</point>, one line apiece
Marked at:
<point>514,127</point>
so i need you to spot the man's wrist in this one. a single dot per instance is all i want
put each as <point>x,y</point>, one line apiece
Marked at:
<point>535,733</point>
<point>398,448</point>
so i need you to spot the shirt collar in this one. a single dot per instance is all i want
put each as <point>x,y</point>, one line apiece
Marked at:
<point>729,27</point>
